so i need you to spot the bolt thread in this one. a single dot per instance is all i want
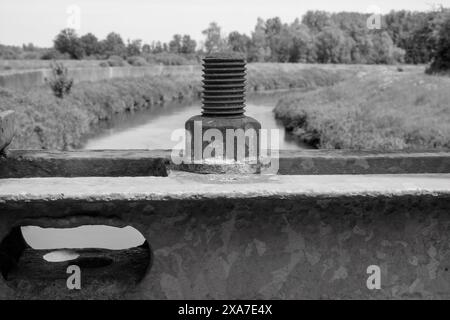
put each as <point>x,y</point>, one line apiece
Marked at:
<point>223,86</point>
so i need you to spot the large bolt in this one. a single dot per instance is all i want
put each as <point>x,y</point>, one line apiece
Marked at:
<point>222,131</point>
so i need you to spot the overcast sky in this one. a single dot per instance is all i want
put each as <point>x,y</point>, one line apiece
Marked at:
<point>24,21</point>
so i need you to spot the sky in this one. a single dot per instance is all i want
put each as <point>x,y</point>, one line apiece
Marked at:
<point>25,21</point>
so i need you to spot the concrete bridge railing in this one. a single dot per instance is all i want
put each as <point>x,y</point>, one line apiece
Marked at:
<point>312,231</point>
<point>329,224</point>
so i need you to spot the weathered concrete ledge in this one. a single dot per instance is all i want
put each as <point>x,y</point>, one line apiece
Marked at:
<point>186,186</point>
<point>38,163</point>
<point>254,237</point>
<point>28,163</point>
<point>6,129</point>
<point>363,162</point>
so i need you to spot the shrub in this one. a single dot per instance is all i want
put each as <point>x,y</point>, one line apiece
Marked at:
<point>441,53</point>
<point>9,54</point>
<point>31,55</point>
<point>53,54</point>
<point>169,59</point>
<point>60,83</point>
<point>137,61</point>
<point>116,61</point>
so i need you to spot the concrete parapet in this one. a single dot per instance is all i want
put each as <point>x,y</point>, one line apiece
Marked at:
<point>233,237</point>
<point>38,163</point>
<point>297,235</point>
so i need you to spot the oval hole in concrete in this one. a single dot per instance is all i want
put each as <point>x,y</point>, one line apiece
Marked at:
<point>35,260</point>
<point>89,236</point>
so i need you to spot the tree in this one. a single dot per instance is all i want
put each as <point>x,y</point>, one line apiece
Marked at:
<point>113,45</point>
<point>362,49</point>
<point>352,23</point>
<point>175,44</point>
<point>383,48</point>
<point>410,31</point>
<point>29,47</point>
<point>259,49</point>
<point>332,46</point>
<point>188,45</point>
<point>90,44</point>
<point>146,48</point>
<point>156,47</point>
<point>213,41</point>
<point>239,42</point>
<point>278,39</point>
<point>134,47</point>
<point>68,42</point>
<point>441,42</point>
<point>303,48</point>
<point>317,21</point>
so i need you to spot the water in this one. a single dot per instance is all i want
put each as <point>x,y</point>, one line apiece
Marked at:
<point>152,129</point>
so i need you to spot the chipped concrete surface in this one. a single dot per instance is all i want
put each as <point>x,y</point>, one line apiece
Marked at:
<point>116,163</point>
<point>192,186</point>
<point>260,237</point>
<point>39,163</point>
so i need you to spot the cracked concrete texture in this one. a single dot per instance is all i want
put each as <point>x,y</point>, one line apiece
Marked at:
<point>260,237</point>
<point>116,163</point>
<point>38,163</point>
<point>192,186</point>
<point>301,262</point>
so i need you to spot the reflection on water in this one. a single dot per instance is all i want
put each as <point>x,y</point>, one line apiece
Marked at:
<point>152,129</point>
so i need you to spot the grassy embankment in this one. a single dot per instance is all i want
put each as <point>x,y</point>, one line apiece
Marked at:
<point>44,121</point>
<point>379,109</point>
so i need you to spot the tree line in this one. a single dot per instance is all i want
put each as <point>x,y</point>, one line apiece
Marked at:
<point>318,37</point>
<point>321,37</point>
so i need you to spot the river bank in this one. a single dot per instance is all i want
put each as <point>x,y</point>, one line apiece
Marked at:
<point>46,122</point>
<point>378,109</point>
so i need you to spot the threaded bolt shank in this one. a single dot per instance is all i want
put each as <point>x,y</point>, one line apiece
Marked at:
<point>223,85</point>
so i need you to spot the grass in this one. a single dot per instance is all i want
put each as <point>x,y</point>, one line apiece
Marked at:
<point>378,109</point>
<point>47,122</point>
<point>268,76</point>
